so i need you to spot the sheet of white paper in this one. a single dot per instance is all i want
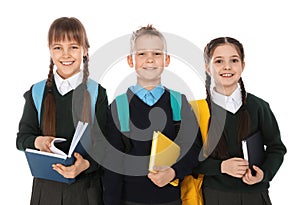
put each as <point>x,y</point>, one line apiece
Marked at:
<point>55,149</point>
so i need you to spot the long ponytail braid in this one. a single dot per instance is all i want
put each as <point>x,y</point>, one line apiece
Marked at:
<point>215,129</point>
<point>86,108</point>
<point>48,120</point>
<point>244,118</point>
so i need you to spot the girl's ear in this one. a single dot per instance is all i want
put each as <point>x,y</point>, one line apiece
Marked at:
<point>243,66</point>
<point>85,52</point>
<point>50,52</point>
<point>167,60</point>
<point>207,68</point>
<point>130,61</point>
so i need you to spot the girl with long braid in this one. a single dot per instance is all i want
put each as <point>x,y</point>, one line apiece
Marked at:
<point>227,176</point>
<point>66,101</point>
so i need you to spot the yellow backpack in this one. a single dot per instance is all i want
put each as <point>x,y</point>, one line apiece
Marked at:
<point>191,193</point>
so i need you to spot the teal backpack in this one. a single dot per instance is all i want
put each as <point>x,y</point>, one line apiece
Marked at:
<point>38,93</point>
<point>122,105</point>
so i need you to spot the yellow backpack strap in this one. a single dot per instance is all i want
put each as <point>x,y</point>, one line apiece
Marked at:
<point>201,110</point>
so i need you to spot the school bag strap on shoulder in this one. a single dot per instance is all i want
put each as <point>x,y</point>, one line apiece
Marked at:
<point>176,102</point>
<point>92,87</point>
<point>122,104</point>
<point>38,93</point>
<point>201,110</point>
<point>123,112</point>
<point>37,96</point>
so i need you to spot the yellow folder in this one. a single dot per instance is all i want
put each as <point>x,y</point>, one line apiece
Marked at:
<point>164,152</point>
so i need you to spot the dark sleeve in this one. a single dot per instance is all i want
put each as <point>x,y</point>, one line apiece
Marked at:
<point>101,109</point>
<point>95,154</point>
<point>189,139</point>
<point>209,167</point>
<point>112,177</point>
<point>28,125</point>
<point>275,149</point>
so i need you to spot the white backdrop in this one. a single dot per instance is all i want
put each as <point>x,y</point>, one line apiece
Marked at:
<point>267,29</point>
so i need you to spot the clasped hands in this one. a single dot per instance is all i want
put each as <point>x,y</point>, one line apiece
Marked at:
<point>239,168</point>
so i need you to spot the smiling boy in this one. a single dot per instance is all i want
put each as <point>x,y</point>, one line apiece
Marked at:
<point>149,99</point>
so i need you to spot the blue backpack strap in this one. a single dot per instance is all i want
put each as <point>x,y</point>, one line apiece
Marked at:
<point>38,93</point>
<point>37,96</point>
<point>123,112</point>
<point>176,102</point>
<point>123,109</point>
<point>92,87</point>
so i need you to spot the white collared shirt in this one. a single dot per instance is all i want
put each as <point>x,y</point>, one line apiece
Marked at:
<point>66,85</point>
<point>230,103</point>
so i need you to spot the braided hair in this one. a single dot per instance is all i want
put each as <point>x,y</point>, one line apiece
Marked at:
<point>61,29</point>
<point>244,118</point>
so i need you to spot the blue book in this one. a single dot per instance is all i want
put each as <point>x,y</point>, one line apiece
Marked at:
<point>40,163</point>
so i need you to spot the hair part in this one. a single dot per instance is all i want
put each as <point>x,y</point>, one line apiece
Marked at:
<point>65,28</point>
<point>68,28</point>
<point>244,125</point>
<point>213,44</point>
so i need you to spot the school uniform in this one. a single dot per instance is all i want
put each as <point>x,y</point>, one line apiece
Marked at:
<point>131,186</point>
<point>221,188</point>
<point>88,187</point>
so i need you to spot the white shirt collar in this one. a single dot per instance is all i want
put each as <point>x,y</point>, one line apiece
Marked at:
<point>66,85</point>
<point>230,103</point>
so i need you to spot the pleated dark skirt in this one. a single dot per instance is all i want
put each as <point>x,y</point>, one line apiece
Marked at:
<point>178,202</point>
<point>87,190</point>
<point>216,197</point>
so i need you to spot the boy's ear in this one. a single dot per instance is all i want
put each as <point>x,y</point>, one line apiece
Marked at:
<point>130,61</point>
<point>167,61</point>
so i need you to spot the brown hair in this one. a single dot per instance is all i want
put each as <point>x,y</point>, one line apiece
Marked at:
<point>65,28</point>
<point>244,120</point>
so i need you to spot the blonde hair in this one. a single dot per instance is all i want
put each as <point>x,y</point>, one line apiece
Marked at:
<point>146,30</point>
